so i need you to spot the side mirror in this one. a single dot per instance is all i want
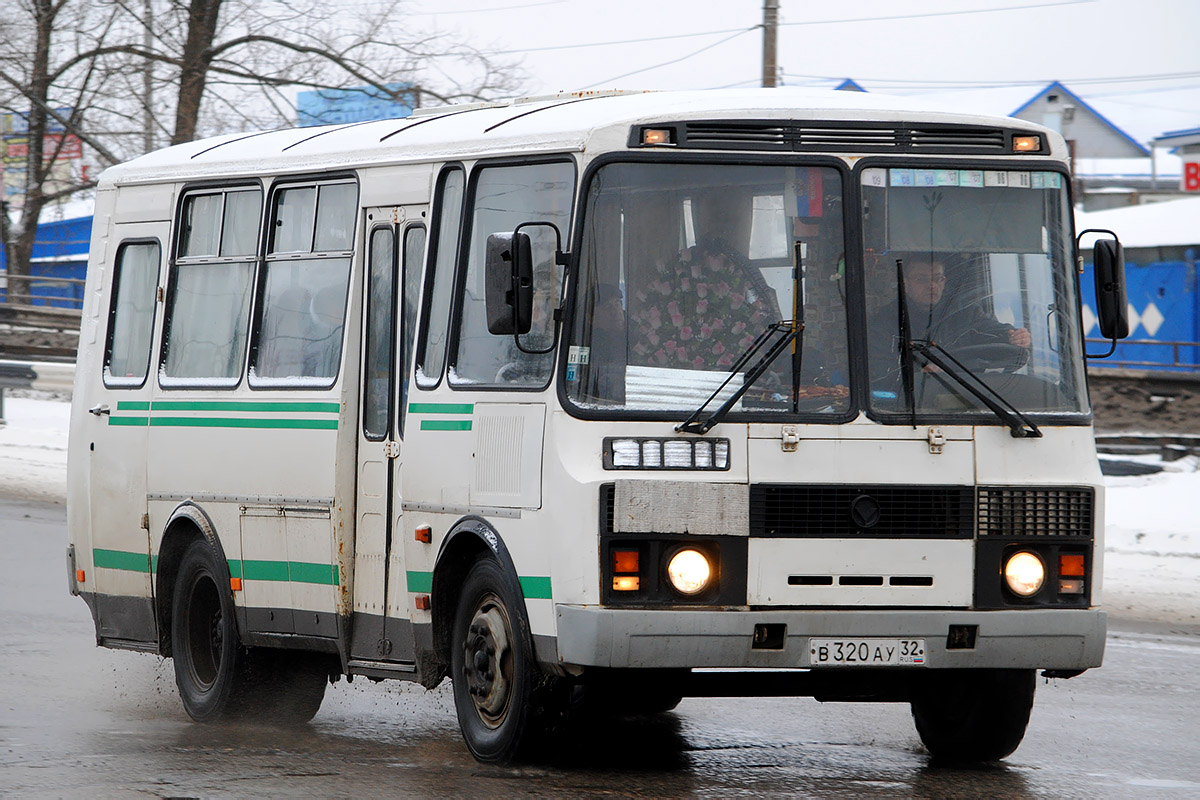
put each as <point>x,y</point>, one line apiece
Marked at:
<point>508,283</point>
<point>1111,303</point>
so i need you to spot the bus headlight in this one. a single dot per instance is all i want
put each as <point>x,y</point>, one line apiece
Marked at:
<point>689,572</point>
<point>1024,573</point>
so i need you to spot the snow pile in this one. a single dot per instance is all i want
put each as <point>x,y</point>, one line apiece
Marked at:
<point>33,448</point>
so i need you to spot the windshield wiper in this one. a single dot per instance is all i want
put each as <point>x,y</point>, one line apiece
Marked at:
<point>1017,423</point>
<point>784,333</point>
<point>906,345</point>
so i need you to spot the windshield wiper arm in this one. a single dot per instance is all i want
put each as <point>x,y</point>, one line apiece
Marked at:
<point>1017,423</point>
<point>789,330</point>
<point>906,346</point>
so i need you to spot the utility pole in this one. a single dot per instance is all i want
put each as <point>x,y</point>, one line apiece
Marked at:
<point>770,38</point>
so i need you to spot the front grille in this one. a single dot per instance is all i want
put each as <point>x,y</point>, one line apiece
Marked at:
<point>872,511</point>
<point>1035,512</point>
<point>794,136</point>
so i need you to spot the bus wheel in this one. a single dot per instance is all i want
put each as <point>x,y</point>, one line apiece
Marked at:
<point>973,715</point>
<point>492,666</point>
<point>210,663</point>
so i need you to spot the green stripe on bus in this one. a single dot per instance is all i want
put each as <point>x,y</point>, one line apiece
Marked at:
<point>121,559</point>
<point>233,422</point>
<point>534,587</point>
<point>284,571</point>
<point>130,421</point>
<point>420,582</point>
<point>133,405</point>
<point>281,407</point>
<point>445,424</point>
<point>441,408</point>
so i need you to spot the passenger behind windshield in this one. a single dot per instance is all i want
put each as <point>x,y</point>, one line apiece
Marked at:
<point>956,321</point>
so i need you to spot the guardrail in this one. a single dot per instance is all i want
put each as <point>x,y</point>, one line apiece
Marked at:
<point>39,333</point>
<point>1192,363</point>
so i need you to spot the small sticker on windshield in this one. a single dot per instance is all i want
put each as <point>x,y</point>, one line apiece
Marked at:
<point>1052,180</point>
<point>579,355</point>
<point>925,177</point>
<point>1019,180</point>
<point>901,177</point>
<point>993,178</point>
<point>947,177</point>
<point>970,177</point>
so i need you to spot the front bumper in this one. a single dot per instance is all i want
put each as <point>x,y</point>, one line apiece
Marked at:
<point>592,636</point>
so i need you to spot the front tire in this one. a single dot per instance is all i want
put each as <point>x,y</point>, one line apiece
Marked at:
<point>493,671</point>
<point>974,716</point>
<point>210,663</point>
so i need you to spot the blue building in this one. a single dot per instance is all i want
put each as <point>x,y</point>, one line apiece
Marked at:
<point>60,251</point>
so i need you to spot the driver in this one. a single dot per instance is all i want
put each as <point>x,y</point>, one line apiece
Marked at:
<point>948,321</point>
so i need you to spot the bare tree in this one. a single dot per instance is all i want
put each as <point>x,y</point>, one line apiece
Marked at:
<point>134,73</point>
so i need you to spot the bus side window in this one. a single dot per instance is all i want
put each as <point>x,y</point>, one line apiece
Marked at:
<point>209,307</point>
<point>131,316</point>
<point>503,198</point>
<point>414,257</point>
<point>379,349</point>
<point>301,312</point>
<point>440,280</point>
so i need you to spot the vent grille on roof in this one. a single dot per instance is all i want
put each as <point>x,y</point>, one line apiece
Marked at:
<point>788,136</point>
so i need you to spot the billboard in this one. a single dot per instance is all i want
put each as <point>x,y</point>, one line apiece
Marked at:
<point>356,104</point>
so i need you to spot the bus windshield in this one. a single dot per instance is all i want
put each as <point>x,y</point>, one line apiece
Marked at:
<point>685,266</point>
<point>979,261</point>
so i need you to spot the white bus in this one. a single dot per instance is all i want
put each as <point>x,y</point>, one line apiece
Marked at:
<point>592,402</point>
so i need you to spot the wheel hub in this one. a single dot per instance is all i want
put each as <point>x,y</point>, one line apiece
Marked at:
<point>488,663</point>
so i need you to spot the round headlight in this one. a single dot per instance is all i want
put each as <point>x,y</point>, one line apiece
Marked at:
<point>1025,573</point>
<point>689,572</point>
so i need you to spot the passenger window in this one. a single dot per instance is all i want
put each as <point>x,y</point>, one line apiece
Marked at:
<point>209,308</point>
<point>505,197</point>
<point>302,306</point>
<point>131,316</point>
<point>440,281</point>
<point>379,346</point>
<point>414,257</point>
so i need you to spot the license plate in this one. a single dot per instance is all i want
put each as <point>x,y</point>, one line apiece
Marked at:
<point>866,652</point>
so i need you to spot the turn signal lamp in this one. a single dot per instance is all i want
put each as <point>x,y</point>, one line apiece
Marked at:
<point>235,584</point>
<point>1070,566</point>
<point>1070,586</point>
<point>625,561</point>
<point>1026,144</point>
<point>689,572</point>
<point>1024,573</point>
<point>626,583</point>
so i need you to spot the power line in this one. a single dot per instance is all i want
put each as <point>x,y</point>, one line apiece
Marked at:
<point>936,14</point>
<point>674,60</point>
<point>486,10</point>
<point>782,24</point>
<point>907,83</point>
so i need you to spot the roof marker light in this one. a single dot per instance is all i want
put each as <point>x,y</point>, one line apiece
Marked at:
<point>1026,144</point>
<point>656,136</point>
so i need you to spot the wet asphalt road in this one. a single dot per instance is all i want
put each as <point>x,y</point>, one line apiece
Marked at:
<point>77,720</point>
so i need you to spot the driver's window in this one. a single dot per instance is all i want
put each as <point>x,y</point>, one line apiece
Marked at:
<point>502,198</point>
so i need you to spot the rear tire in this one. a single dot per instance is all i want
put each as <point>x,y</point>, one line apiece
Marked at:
<point>210,663</point>
<point>973,716</point>
<point>217,677</point>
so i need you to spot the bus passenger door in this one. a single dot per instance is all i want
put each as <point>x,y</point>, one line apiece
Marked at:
<point>395,247</point>
<point>119,389</point>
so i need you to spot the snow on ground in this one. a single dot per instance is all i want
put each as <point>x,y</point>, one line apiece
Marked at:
<point>1152,553</point>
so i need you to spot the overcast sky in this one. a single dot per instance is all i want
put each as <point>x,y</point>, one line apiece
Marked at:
<point>1095,47</point>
